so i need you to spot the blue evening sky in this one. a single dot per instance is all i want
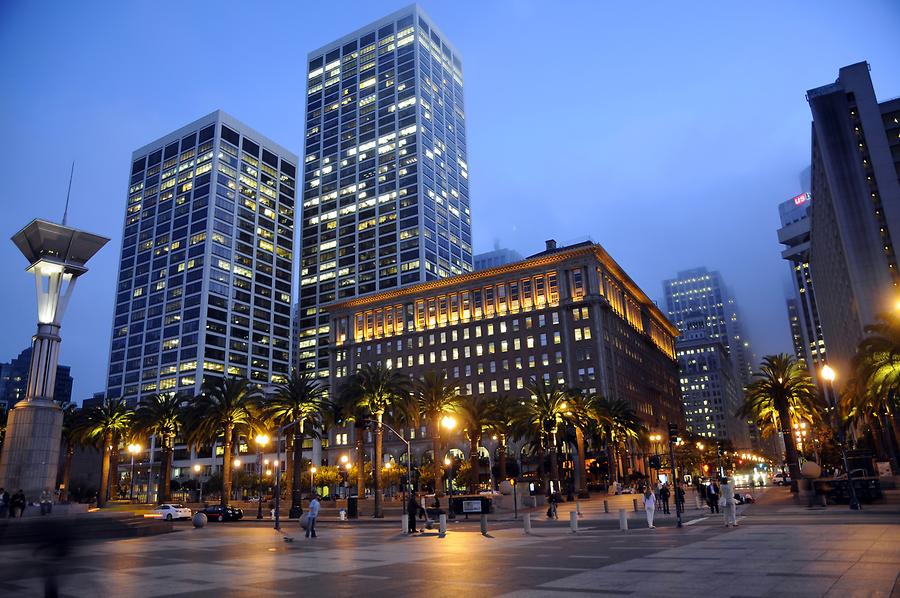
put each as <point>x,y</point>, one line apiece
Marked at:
<point>667,131</point>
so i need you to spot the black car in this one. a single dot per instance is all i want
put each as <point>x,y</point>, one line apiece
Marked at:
<point>215,513</point>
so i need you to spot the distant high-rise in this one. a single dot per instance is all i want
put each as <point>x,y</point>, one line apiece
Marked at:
<point>713,355</point>
<point>206,267</point>
<point>806,330</point>
<point>14,381</point>
<point>495,258</point>
<point>856,209</point>
<point>386,191</point>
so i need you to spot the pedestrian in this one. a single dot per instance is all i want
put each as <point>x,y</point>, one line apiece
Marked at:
<point>730,508</point>
<point>312,513</point>
<point>712,497</point>
<point>4,503</point>
<point>553,499</point>
<point>679,498</point>
<point>46,502</point>
<point>649,506</point>
<point>17,504</point>
<point>664,498</point>
<point>412,511</point>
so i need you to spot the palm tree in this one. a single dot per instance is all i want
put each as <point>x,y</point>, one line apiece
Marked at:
<point>105,425</point>
<point>301,400</point>
<point>377,389</point>
<point>72,436</point>
<point>586,411</point>
<point>620,424</point>
<point>477,413</point>
<point>782,386</point>
<point>434,397</point>
<point>162,415</point>
<point>545,410</point>
<point>347,409</point>
<point>503,424</point>
<point>225,405</point>
<point>876,378</point>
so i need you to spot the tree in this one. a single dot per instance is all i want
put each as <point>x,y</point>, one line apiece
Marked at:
<point>503,422</point>
<point>105,424</point>
<point>72,436</point>
<point>477,413</point>
<point>347,409</point>
<point>586,411</point>
<point>620,424</point>
<point>224,406</point>
<point>301,399</point>
<point>435,397</point>
<point>875,383</point>
<point>782,386</point>
<point>545,410</point>
<point>162,415</point>
<point>378,389</point>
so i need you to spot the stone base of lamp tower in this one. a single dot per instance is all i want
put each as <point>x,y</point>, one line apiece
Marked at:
<point>31,448</point>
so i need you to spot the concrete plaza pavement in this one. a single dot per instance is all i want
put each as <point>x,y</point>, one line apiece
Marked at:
<point>778,550</point>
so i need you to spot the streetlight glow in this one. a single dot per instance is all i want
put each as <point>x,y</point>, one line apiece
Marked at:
<point>262,439</point>
<point>134,448</point>
<point>237,462</point>
<point>197,468</point>
<point>447,461</point>
<point>313,470</point>
<point>828,373</point>
<point>344,458</point>
<point>448,422</point>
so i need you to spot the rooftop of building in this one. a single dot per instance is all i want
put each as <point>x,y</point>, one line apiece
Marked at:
<point>553,254</point>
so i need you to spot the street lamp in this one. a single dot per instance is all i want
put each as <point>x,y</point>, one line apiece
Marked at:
<point>261,441</point>
<point>133,449</point>
<point>197,469</point>
<point>312,482</point>
<point>447,463</point>
<point>829,374</point>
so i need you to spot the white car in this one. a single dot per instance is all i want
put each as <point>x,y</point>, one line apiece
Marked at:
<point>170,511</point>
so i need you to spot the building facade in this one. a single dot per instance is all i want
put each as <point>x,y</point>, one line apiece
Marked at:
<point>806,329</point>
<point>567,314</point>
<point>14,381</point>
<point>496,258</point>
<point>205,276</point>
<point>385,192</point>
<point>856,212</point>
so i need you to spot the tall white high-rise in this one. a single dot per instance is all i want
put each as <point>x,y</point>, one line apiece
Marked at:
<point>385,192</point>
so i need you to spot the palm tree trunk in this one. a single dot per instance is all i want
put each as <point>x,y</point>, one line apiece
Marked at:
<point>360,464</point>
<point>580,469</point>
<point>296,472</point>
<point>895,428</point>
<point>474,464</point>
<point>289,464</point>
<point>874,422</point>
<point>376,467</point>
<point>113,483</point>
<point>226,467</point>
<point>104,470</point>
<point>166,471</point>
<point>501,458</point>
<point>436,449</point>
<point>67,470</point>
<point>790,449</point>
<point>542,470</point>
<point>554,461</point>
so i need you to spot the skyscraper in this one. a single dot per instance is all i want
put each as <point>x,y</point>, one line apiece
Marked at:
<point>713,355</point>
<point>498,257</point>
<point>806,330</point>
<point>206,267</point>
<point>856,209</point>
<point>385,192</point>
<point>14,381</point>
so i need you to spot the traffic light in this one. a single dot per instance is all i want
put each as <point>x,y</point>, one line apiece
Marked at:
<point>673,431</point>
<point>654,461</point>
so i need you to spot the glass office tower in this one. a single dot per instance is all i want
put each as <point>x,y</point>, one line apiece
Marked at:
<point>385,193</point>
<point>205,275</point>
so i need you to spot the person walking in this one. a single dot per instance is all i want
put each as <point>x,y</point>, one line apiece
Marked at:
<point>412,511</point>
<point>46,502</point>
<point>312,513</point>
<point>17,504</point>
<point>664,498</point>
<point>712,497</point>
<point>551,511</point>
<point>679,497</point>
<point>4,503</point>
<point>730,508</point>
<point>649,506</point>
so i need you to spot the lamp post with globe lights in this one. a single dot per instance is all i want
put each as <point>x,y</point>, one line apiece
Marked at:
<point>261,441</point>
<point>133,449</point>
<point>197,469</point>
<point>829,375</point>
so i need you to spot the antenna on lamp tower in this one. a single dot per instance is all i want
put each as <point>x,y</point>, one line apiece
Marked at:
<point>69,192</point>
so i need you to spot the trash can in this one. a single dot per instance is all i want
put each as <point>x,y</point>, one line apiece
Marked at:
<point>352,507</point>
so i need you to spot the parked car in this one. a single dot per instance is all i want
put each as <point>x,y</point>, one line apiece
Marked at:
<point>781,479</point>
<point>170,511</point>
<point>215,513</point>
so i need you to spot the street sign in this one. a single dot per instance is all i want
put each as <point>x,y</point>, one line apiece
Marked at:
<point>471,506</point>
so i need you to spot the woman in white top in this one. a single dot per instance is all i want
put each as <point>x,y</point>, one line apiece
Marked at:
<point>649,506</point>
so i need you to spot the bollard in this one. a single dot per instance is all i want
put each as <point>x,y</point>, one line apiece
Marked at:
<point>824,500</point>
<point>442,526</point>
<point>697,500</point>
<point>606,506</point>
<point>578,507</point>
<point>526,521</point>
<point>634,502</point>
<point>623,520</point>
<point>573,521</point>
<point>483,524</point>
<point>403,524</point>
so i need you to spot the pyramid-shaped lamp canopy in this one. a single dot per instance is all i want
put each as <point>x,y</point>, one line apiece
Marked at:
<point>50,243</point>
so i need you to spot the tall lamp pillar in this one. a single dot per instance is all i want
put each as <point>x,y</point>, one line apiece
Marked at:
<point>57,255</point>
